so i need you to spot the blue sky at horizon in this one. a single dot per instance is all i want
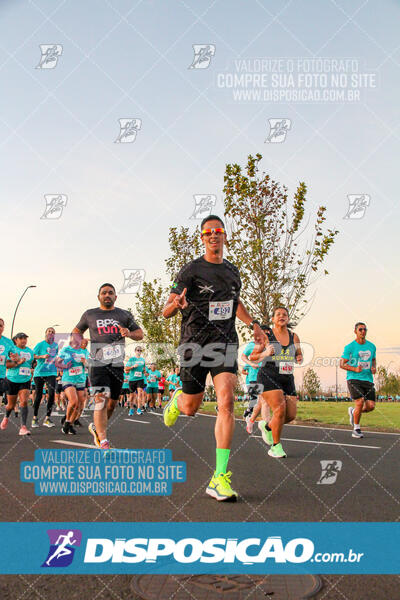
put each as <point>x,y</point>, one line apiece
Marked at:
<point>124,59</point>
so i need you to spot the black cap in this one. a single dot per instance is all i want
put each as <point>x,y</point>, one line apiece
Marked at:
<point>20,335</point>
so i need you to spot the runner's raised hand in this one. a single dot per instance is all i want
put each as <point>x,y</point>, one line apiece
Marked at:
<point>180,300</point>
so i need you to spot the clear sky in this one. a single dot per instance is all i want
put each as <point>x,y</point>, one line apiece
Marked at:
<point>126,59</point>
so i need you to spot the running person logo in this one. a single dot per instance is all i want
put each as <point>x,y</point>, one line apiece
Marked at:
<point>203,54</point>
<point>358,204</point>
<point>128,130</point>
<point>133,279</point>
<point>50,55</point>
<point>330,471</point>
<point>55,204</point>
<point>203,205</point>
<point>278,129</point>
<point>63,543</point>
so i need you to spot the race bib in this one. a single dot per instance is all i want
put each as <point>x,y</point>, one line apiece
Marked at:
<point>24,371</point>
<point>2,359</point>
<point>25,355</point>
<point>365,364</point>
<point>285,368</point>
<point>75,371</point>
<point>220,311</point>
<point>137,374</point>
<point>111,352</point>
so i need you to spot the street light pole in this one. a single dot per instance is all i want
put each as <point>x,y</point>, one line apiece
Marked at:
<point>16,308</point>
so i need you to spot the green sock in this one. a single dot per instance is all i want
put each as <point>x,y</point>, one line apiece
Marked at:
<point>222,460</point>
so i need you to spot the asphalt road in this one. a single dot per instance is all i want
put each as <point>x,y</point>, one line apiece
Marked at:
<point>366,488</point>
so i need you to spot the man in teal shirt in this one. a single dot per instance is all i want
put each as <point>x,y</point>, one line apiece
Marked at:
<point>174,381</point>
<point>136,367</point>
<point>153,377</point>
<point>45,373</point>
<point>359,360</point>
<point>6,346</point>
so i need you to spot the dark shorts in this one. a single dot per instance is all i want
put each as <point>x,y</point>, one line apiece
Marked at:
<point>361,389</point>
<point>195,366</point>
<point>134,385</point>
<point>152,390</point>
<point>107,379</point>
<point>79,388</point>
<point>270,380</point>
<point>13,388</point>
<point>58,387</point>
<point>3,386</point>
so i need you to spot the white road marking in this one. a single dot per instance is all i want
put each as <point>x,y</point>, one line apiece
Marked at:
<point>67,443</point>
<point>137,421</point>
<point>316,426</point>
<point>327,443</point>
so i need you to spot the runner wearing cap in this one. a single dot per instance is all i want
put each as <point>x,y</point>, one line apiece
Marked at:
<point>359,360</point>
<point>207,293</point>
<point>108,327</point>
<point>45,374</point>
<point>18,383</point>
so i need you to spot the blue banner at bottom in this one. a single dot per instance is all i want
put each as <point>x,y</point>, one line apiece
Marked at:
<point>200,548</point>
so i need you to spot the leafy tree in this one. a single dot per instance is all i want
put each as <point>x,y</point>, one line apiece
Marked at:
<point>161,335</point>
<point>264,240</point>
<point>381,379</point>
<point>311,382</point>
<point>184,246</point>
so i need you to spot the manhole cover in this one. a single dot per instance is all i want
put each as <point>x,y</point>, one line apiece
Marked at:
<point>225,587</point>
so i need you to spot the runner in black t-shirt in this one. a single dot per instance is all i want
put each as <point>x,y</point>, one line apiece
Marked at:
<point>207,292</point>
<point>108,327</point>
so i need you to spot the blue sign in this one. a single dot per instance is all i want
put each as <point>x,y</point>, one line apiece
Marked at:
<point>203,548</point>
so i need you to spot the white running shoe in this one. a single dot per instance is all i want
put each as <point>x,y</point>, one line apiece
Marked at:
<point>249,425</point>
<point>357,433</point>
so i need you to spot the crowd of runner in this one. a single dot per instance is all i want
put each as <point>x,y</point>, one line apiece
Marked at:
<point>206,292</point>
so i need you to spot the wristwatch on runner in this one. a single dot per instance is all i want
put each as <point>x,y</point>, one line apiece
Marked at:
<point>255,322</point>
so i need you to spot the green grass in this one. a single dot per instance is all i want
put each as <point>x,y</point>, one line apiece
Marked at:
<point>386,415</point>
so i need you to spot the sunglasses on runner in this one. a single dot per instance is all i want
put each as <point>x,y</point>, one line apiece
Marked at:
<point>362,329</point>
<point>220,230</point>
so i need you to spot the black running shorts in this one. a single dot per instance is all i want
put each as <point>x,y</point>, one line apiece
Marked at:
<point>107,378</point>
<point>361,389</point>
<point>13,388</point>
<point>270,380</point>
<point>195,366</point>
<point>135,385</point>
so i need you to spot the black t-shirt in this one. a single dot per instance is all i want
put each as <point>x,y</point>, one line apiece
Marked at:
<point>107,346</point>
<point>213,292</point>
